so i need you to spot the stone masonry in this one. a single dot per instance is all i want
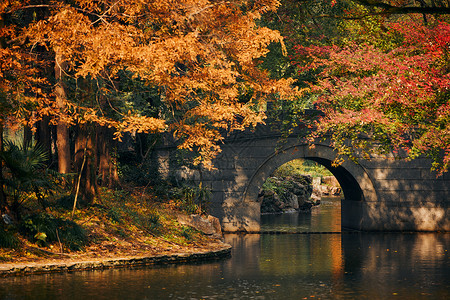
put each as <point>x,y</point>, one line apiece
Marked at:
<point>381,194</point>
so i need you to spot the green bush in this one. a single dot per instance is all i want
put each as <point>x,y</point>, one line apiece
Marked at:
<point>302,167</point>
<point>191,199</point>
<point>8,239</point>
<point>151,222</point>
<point>44,229</point>
<point>187,232</point>
<point>65,202</point>
<point>26,174</point>
<point>115,215</point>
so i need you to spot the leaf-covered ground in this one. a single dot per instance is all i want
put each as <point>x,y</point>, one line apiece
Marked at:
<point>120,224</point>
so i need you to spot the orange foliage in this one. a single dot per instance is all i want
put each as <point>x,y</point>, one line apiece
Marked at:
<point>200,54</point>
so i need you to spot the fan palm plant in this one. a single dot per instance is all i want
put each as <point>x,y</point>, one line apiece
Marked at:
<point>26,174</point>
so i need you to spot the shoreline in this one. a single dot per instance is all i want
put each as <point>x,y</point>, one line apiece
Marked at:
<point>34,268</point>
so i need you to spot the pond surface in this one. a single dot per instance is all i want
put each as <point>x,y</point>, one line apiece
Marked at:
<point>274,266</point>
<point>325,217</point>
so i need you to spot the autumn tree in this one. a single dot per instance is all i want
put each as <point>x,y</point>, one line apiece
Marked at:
<point>302,24</point>
<point>385,87</point>
<point>198,55</point>
<point>24,93</point>
<point>62,128</point>
<point>401,7</point>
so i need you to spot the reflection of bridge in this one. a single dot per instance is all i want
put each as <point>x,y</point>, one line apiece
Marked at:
<point>380,193</point>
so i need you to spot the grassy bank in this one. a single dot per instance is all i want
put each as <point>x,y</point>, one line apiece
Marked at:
<point>120,223</point>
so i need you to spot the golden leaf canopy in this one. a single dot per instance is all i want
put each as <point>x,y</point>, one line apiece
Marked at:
<point>199,54</point>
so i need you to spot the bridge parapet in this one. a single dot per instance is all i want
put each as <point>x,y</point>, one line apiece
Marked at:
<point>381,194</point>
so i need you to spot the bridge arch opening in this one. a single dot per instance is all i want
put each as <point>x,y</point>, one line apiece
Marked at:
<point>353,180</point>
<point>350,187</point>
<point>301,196</point>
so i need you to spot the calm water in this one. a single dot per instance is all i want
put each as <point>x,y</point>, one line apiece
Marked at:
<point>267,266</point>
<point>323,218</point>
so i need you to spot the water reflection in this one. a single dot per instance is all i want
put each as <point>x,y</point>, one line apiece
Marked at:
<point>350,265</point>
<point>264,266</point>
<point>325,217</point>
<point>410,264</point>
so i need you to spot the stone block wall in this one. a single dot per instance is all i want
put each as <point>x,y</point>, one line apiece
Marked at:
<point>380,194</point>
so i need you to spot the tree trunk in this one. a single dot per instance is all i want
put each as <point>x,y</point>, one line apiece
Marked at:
<point>85,150</point>
<point>113,173</point>
<point>107,157</point>
<point>27,135</point>
<point>103,154</point>
<point>62,130</point>
<point>44,136</point>
<point>4,208</point>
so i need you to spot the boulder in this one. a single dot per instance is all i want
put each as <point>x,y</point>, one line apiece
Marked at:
<point>270,202</point>
<point>316,181</point>
<point>209,225</point>
<point>301,189</point>
<point>216,224</point>
<point>306,206</point>
<point>324,189</point>
<point>332,185</point>
<point>292,201</point>
<point>294,192</point>
<point>317,193</point>
<point>331,181</point>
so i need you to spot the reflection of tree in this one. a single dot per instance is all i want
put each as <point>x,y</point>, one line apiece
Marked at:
<point>388,260</point>
<point>249,247</point>
<point>305,254</point>
<point>327,216</point>
<point>337,258</point>
<point>301,254</point>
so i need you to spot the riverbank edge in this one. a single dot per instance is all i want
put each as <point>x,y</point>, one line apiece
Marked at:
<point>109,263</point>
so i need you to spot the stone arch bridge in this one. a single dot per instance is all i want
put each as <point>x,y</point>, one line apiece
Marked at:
<point>380,194</point>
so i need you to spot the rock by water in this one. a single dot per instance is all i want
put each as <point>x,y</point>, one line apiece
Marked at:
<point>207,224</point>
<point>287,194</point>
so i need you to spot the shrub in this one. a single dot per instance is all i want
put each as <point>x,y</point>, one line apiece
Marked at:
<point>44,228</point>
<point>187,232</point>
<point>151,222</point>
<point>65,202</point>
<point>26,174</point>
<point>302,167</point>
<point>191,199</point>
<point>8,239</point>
<point>115,215</point>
